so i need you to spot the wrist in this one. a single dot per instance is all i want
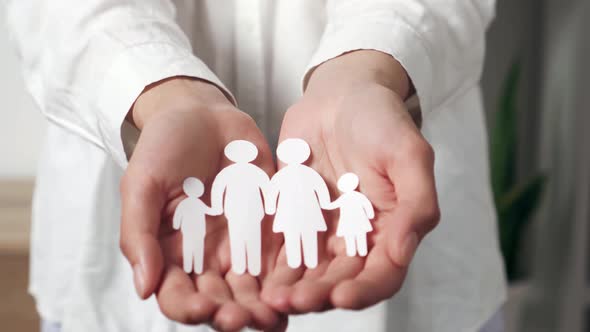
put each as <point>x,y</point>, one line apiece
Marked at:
<point>358,69</point>
<point>176,94</point>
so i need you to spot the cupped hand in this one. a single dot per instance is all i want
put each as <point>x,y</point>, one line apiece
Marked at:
<point>185,125</point>
<point>354,118</point>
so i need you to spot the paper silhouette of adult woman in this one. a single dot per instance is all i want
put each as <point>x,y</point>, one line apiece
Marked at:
<point>301,194</point>
<point>189,217</point>
<point>243,183</point>
<point>355,212</point>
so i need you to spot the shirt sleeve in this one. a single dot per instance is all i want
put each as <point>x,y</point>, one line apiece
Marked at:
<point>440,44</point>
<point>86,62</point>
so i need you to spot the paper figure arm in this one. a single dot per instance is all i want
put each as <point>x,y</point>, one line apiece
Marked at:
<point>177,219</point>
<point>211,211</point>
<point>368,207</point>
<point>217,190</point>
<point>271,192</point>
<point>321,190</point>
<point>333,205</point>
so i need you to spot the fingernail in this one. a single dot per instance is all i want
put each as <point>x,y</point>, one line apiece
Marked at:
<point>408,249</point>
<point>138,280</point>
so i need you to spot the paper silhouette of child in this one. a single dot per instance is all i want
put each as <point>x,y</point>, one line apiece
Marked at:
<point>355,212</point>
<point>189,217</point>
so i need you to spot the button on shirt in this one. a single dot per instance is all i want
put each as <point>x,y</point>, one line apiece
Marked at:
<point>85,63</point>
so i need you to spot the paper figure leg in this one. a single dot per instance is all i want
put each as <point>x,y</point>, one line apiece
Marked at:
<point>187,254</point>
<point>198,254</point>
<point>253,248</point>
<point>293,249</point>
<point>310,249</point>
<point>350,245</point>
<point>361,244</point>
<point>237,248</point>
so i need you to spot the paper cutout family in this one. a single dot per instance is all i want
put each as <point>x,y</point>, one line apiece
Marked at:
<point>296,195</point>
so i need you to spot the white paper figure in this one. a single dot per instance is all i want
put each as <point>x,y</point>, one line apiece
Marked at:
<point>242,204</point>
<point>301,194</point>
<point>355,212</point>
<point>189,217</point>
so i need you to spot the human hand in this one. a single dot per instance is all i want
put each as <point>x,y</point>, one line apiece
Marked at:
<point>185,125</point>
<point>354,119</point>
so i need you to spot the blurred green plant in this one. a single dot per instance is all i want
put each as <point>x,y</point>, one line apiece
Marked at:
<point>515,201</point>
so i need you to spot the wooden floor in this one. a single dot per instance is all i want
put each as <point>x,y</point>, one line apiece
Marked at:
<point>17,308</point>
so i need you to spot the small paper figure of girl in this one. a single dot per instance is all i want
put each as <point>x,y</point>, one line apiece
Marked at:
<point>355,212</point>
<point>190,218</point>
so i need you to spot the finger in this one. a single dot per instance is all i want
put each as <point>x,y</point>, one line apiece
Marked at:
<point>246,292</point>
<point>141,206</point>
<point>313,294</point>
<point>281,325</point>
<point>277,286</point>
<point>179,300</point>
<point>212,284</point>
<point>230,316</point>
<point>379,280</point>
<point>417,211</point>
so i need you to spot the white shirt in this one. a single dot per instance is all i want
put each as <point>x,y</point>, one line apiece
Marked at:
<point>85,62</point>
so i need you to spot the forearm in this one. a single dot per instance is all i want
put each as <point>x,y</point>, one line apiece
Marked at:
<point>359,68</point>
<point>186,94</point>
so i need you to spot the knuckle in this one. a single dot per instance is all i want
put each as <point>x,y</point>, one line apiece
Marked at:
<point>432,217</point>
<point>396,287</point>
<point>421,149</point>
<point>124,246</point>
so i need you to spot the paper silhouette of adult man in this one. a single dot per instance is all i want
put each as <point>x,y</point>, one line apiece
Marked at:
<point>189,217</point>
<point>240,190</point>
<point>301,195</point>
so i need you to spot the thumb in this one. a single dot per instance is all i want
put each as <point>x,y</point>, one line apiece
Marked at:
<point>141,205</point>
<point>404,235</point>
<point>417,210</point>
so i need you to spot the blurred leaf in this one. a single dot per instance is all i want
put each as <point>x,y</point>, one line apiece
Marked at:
<point>503,136</point>
<point>524,198</point>
<point>514,211</point>
<point>514,203</point>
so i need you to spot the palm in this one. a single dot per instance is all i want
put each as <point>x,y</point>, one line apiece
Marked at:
<point>171,148</point>
<point>359,135</point>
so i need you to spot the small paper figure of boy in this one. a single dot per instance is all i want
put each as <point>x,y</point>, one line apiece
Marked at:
<point>189,217</point>
<point>355,212</point>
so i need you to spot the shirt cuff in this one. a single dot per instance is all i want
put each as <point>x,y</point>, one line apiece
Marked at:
<point>133,70</point>
<point>396,39</point>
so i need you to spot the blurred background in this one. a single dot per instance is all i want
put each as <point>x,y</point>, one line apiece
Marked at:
<point>536,90</point>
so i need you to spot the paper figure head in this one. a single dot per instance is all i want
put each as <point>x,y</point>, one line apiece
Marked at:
<point>193,187</point>
<point>240,151</point>
<point>293,151</point>
<point>348,182</point>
